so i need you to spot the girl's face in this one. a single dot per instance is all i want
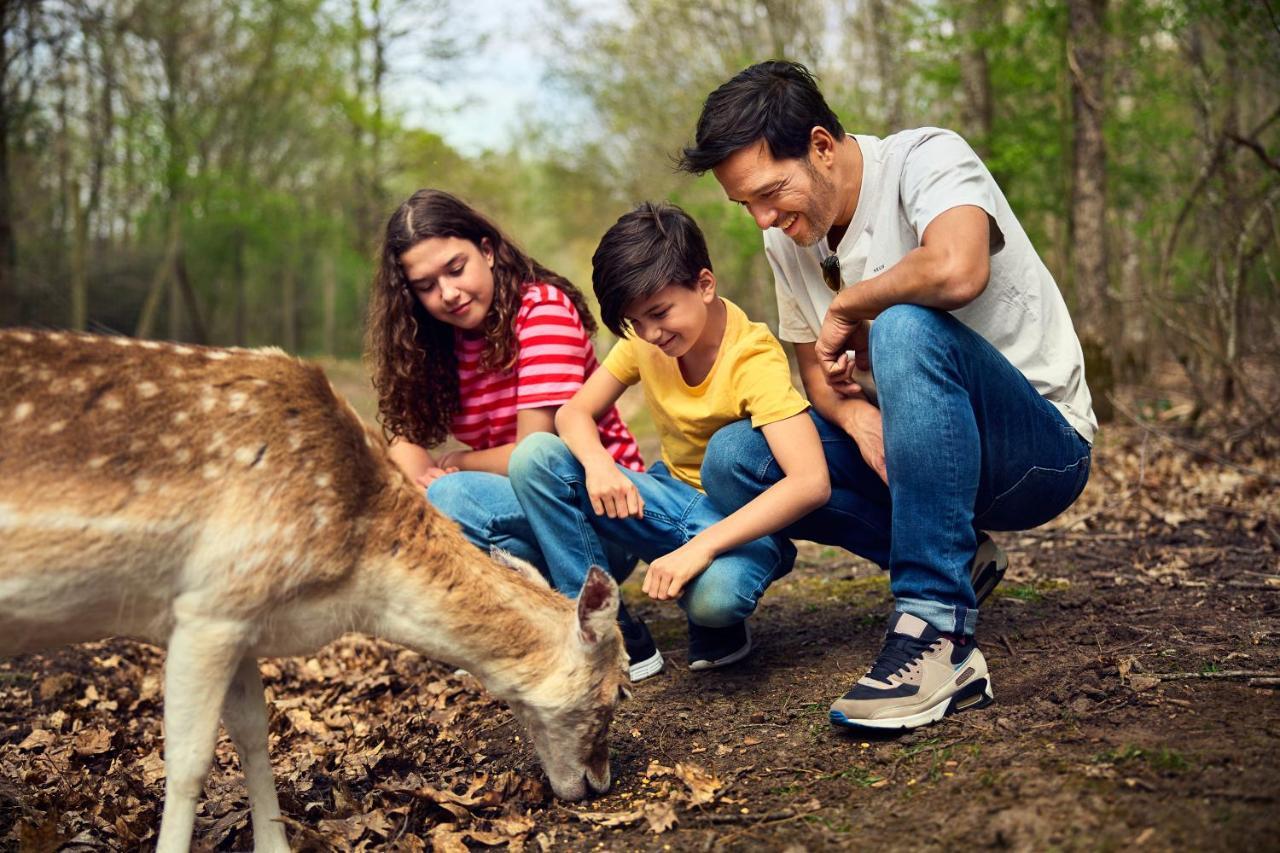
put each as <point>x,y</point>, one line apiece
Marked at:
<point>452,278</point>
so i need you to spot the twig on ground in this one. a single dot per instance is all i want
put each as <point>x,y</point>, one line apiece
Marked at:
<point>1013,654</point>
<point>1229,674</point>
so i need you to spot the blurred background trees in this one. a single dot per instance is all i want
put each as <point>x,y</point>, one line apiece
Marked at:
<point>220,171</point>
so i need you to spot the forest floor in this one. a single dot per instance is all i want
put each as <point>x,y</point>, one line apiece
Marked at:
<point>1134,649</point>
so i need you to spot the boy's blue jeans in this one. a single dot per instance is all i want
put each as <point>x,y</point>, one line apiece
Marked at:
<point>969,445</point>
<point>485,507</point>
<point>551,486</point>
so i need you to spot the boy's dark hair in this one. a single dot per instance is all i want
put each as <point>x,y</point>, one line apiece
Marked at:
<point>776,101</point>
<point>644,251</point>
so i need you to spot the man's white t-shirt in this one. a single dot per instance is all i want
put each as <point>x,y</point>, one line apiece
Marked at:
<point>907,180</point>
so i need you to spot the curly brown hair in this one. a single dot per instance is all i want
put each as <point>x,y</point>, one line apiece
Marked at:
<point>410,353</point>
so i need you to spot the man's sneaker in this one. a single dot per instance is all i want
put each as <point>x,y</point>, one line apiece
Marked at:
<point>989,565</point>
<point>920,676</point>
<point>710,648</point>
<point>645,659</point>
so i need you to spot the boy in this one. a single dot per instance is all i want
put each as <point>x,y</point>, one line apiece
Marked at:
<point>703,364</point>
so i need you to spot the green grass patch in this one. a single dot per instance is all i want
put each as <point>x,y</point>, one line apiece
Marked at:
<point>1160,759</point>
<point>1029,593</point>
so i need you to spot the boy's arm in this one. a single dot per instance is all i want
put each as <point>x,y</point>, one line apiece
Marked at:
<point>849,411</point>
<point>804,487</point>
<point>610,491</point>
<point>495,459</point>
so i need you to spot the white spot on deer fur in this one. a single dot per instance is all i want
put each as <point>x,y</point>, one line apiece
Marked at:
<point>211,471</point>
<point>44,375</point>
<point>143,484</point>
<point>181,350</point>
<point>149,344</point>
<point>177,372</point>
<point>169,441</point>
<point>207,404</point>
<point>261,383</point>
<point>111,403</point>
<point>148,389</point>
<point>323,480</point>
<point>56,337</point>
<point>56,427</point>
<point>121,341</point>
<point>97,462</point>
<point>182,456</point>
<point>236,400</point>
<point>295,442</point>
<point>246,455</point>
<point>79,385</point>
<point>25,337</point>
<point>22,411</point>
<point>137,445</point>
<point>181,417</point>
<point>216,355</point>
<point>321,515</point>
<point>97,370</point>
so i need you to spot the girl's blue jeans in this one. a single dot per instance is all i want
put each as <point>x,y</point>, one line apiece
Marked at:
<point>969,445</point>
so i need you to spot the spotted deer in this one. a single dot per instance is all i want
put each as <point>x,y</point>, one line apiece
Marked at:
<point>229,505</point>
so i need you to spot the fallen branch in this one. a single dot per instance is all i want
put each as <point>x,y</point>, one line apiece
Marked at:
<point>768,817</point>
<point>1226,673</point>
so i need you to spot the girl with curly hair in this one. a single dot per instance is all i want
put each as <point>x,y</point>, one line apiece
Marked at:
<point>468,336</point>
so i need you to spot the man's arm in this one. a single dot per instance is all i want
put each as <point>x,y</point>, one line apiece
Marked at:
<point>849,411</point>
<point>949,269</point>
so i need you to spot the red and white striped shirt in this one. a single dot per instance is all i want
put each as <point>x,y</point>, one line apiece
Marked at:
<point>555,358</point>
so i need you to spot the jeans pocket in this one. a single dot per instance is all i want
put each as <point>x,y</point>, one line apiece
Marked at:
<point>1039,496</point>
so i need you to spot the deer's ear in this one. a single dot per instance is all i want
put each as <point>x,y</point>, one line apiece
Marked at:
<point>597,606</point>
<point>511,561</point>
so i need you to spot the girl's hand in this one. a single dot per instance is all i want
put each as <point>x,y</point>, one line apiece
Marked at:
<point>429,476</point>
<point>668,575</point>
<point>612,493</point>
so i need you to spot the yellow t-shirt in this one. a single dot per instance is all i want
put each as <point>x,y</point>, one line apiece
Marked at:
<point>750,378</point>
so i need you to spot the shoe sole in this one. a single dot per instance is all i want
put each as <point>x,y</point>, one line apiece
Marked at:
<point>971,697</point>
<point>703,665</point>
<point>650,666</point>
<point>990,564</point>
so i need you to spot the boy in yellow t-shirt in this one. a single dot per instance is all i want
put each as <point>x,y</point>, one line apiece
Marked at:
<point>703,365</point>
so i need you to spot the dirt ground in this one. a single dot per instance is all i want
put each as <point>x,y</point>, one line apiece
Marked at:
<point>1134,650</point>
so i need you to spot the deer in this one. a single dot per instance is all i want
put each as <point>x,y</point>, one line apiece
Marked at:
<point>228,505</point>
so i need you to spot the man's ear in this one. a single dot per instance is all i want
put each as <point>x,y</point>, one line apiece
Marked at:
<point>822,146</point>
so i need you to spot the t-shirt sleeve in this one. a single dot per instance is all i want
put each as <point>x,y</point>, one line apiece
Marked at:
<point>942,172</point>
<point>621,362</point>
<point>552,364</point>
<point>792,325</point>
<point>762,382</point>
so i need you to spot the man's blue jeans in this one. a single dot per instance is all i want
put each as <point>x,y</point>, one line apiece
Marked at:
<point>969,445</point>
<point>485,507</point>
<point>551,486</point>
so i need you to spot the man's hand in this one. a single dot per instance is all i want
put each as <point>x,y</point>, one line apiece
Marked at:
<point>668,575</point>
<point>836,337</point>
<point>612,493</point>
<point>866,428</point>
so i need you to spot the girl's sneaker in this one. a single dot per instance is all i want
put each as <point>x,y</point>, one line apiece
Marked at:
<point>645,659</point>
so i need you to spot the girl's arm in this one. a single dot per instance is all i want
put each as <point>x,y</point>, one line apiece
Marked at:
<point>805,486</point>
<point>495,459</point>
<point>416,462</point>
<point>610,491</point>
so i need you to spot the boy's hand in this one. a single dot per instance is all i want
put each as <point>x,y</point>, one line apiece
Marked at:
<point>669,573</point>
<point>612,493</point>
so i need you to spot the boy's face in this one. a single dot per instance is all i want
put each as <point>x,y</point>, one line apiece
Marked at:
<point>791,194</point>
<point>675,318</point>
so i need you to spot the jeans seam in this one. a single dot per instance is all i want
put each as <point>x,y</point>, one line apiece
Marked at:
<point>1032,470</point>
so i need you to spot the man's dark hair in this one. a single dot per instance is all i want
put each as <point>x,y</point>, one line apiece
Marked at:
<point>776,101</point>
<point>644,251</point>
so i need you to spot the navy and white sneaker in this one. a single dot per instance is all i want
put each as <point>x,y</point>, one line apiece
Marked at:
<point>712,648</point>
<point>643,656</point>
<point>921,676</point>
<point>989,565</point>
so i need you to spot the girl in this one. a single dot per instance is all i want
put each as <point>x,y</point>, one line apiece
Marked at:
<point>469,336</point>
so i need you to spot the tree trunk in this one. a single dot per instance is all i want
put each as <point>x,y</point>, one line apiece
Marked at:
<point>8,246</point>
<point>329,285</point>
<point>975,71</point>
<point>1086,63</point>
<point>289,309</point>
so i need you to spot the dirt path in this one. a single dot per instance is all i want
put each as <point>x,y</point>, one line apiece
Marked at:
<point>1120,719</point>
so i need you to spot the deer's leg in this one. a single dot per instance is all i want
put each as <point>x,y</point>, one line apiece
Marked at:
<point>203,655</point>
<point>245,715</point>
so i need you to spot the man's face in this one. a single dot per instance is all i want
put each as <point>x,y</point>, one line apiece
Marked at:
<point>792,195</point>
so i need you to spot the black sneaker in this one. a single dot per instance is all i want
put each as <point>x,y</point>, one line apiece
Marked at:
<point>645,659</point>
<point>710,648</point>
<point>920,676</point>
<point>989,565</point>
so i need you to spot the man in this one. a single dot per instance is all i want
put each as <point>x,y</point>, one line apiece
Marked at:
<point>984,418</point>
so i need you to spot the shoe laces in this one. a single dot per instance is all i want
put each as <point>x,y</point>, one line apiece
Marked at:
<point>899,653</point>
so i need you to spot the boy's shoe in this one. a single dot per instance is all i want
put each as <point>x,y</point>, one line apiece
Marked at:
<point>989,565</point>
<point>920,676</point>
<point>644,658</point>
<point>711,648</point>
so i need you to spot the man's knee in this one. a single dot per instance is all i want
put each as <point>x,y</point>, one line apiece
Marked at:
<point>715,602</point>
<point>904,336</point>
